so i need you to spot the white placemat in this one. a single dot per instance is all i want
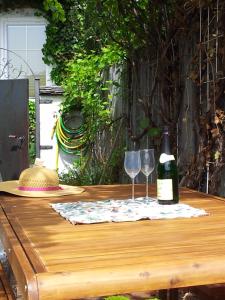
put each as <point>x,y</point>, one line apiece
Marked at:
<point>112,210</point>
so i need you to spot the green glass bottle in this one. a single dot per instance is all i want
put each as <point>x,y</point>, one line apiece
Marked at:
<point>167,180</point>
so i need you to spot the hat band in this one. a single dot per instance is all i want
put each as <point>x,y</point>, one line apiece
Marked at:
<point>30,189</point>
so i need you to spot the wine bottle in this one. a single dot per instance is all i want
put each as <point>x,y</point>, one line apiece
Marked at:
<point>167,180</point>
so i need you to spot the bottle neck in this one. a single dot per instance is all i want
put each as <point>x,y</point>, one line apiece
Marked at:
<point>165,147</point>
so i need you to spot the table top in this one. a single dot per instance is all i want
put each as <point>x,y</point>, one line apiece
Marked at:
<point>53,259</point>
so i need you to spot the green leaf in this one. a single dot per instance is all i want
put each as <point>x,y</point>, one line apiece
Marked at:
<point>144,123</point>
<point>117,298</point>
<point>154,132</point>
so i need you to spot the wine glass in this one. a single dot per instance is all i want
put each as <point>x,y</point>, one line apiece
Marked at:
<point>147,165</point>
<point>132,165</point>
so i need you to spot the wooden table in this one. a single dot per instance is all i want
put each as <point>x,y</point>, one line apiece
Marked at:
<point>53,259</point>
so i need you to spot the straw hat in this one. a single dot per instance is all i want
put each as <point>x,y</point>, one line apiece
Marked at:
<point>38,181</point>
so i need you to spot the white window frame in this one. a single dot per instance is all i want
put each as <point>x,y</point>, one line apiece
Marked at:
<point>24,17</point>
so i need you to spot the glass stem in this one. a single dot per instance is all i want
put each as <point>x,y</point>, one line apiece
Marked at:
<point>146,186</point>
<point>132,188</point>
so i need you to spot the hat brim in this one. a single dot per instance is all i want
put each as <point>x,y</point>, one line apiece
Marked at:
<point>12,188</point>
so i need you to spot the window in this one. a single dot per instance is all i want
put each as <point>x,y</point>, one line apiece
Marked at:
<point>24,37</point>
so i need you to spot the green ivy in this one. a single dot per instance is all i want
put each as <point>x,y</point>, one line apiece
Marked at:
<point>84,39</point>
<point>82,173</point>
<point>117,297</point>
<point>88,88</point>
<point>56,9</point>
<point>91,170</point>
<point>120,297</point>
<point>87,26</point>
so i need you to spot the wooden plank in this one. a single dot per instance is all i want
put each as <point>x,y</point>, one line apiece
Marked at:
<point>19,263</point>
<point>127,278</point>
<point>27,246</point>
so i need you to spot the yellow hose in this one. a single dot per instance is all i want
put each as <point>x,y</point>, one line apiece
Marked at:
<point>65,142</point>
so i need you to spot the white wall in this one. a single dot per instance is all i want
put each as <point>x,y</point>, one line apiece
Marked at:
<point>48,115</point>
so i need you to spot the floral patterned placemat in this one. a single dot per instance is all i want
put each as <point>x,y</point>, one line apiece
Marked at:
<point>123,210</point>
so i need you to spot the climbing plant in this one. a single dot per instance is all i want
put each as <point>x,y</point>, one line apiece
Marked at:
<point>85,38</point>
<point>89,25</point>
<point>152,36</point>
<point>87,87</point>
<point>142,29</point>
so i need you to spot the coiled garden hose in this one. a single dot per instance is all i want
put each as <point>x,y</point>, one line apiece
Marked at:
<point>69,140</point>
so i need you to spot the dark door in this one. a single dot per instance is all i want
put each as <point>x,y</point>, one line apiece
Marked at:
<point>13,127</point>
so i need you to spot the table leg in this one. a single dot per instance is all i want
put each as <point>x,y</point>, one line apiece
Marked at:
<point>171,294</point>
<point>163,294</point>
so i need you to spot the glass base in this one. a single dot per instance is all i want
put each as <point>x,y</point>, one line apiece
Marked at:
<point>146,198</point>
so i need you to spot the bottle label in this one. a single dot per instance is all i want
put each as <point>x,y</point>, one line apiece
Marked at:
<point>165,157</point>
<point>164,189</point>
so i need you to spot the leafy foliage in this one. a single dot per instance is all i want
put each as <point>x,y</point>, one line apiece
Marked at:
<point>152,34</point>
<point>120,297</point>
<point>100,163</point>
<point>85,38</point>
<point>82,173</point>
<point>90,25</point>
<point>86,87</point>
<point>55,8</point>
<point>68,36</point>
